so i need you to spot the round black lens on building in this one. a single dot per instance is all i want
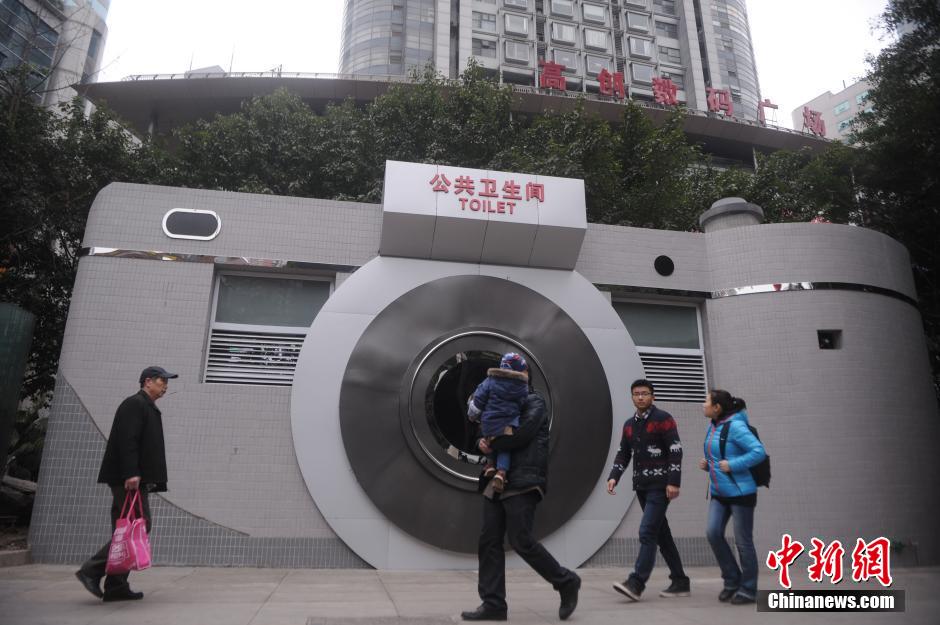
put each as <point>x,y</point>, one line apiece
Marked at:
<point>664,265</point>
<point>191,223</point>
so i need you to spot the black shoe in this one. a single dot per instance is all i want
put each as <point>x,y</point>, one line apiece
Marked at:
<point>122,593</point>
<point>725,595</point>
<point>630,588</point>
<point>569,598</point>
<point>484,613</point>
<point>740,599</point>
<point>91,584</point>
<point>676,589</point>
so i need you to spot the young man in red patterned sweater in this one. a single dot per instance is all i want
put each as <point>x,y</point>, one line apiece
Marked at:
<point>651,438</point>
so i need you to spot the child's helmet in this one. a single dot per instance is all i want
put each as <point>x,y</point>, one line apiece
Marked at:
<point>513,361</point>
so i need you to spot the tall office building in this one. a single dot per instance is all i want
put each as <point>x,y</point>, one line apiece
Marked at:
<point>696,43</point>
<point>837,110</point>
<point>61,40</point>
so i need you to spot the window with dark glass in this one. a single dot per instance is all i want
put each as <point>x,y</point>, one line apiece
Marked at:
<point>189,223</point>
<point>670,55</point>
<point>594,13</point>
<point>484,21</point>
<point>484,48</point>
<point>668,338</point>
<point>258,327</point>
<point>667,29</point>
<point>666,7</point>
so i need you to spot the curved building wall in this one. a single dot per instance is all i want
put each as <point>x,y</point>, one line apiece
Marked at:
<point>730,53</point>
<point>851,431</point>
<point>387,37</point>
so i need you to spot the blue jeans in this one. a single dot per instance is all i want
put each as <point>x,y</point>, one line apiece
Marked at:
<point>743,578</point>
<point>654,531</point>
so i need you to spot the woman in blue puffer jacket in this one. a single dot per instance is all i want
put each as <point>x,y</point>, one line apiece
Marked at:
<point>733,493</point>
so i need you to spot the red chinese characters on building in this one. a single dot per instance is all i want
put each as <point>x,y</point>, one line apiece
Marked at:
<point>551,77</point>
<point>813,121</point>
<point>503,203</point>
<point>766,103</point>
<point>489,188</point>
<point>789,552</point>
<point>440,183</point>
<point>872,560</point>
<point>719,100</point>
<point>664,91</point>
<point>611,84</point>
<point>827,561</point>
<point>534,190</point>
<point>463,184</point>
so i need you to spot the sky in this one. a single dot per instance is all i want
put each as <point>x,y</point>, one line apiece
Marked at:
<point>803,47</point>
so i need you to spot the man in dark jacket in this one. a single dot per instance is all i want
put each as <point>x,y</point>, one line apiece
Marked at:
<point>512,512</point>
<point>651,437</point>
<point>134,459</point>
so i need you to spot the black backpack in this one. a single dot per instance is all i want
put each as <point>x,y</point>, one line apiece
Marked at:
<point>760,471</point>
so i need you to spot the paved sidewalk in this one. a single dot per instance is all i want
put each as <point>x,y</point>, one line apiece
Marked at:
<point>49,594</point>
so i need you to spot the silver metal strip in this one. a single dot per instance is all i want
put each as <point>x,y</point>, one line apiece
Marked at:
<point>760,289</point>
<point>237,261</point>
<point>245,261</point>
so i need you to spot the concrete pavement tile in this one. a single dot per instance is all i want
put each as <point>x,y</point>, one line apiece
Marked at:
<point>301,613</point>
<point>164,613</point>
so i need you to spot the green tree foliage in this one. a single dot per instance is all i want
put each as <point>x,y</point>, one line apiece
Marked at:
<point>900,145</point>
<point>52,165</point>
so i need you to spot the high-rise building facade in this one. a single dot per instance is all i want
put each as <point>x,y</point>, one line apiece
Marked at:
<point>836,110</point>
<point>697,44</point>
<point>62,41</point>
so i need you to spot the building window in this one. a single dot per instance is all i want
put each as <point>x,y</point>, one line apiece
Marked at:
<point>596,39</point>
<point>519,4</point>
<point>565,8</point>
<point>861,98</point>
<point>642,73</point>
<point>567,58</point>
<point>829,339</point>
<point>667,29</point>
<point>670,55</point>
<point>563,33</point>
<point>191,223</point>
<point>484,21</point>
<point>845,125</point>
<point>484,48</point>
<point>258,327</point>
<point>596,64</point>
<point>637,3</point>
<point>641,47</point>
<point>594,13</point>
<point>516,24</point>
<point>669,341</point>
<point>638,21</point>
<point>675,75</point>
<point>841,107</point>
<point>517,52</point>
<point>94,44</point>
<point>666,7</point>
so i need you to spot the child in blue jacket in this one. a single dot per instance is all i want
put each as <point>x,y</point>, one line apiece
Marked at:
<point>733,493</point>
<point>496,404</point>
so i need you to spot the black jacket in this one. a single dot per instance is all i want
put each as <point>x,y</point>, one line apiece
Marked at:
<point>135,446</point>
<point>656,450</point>
<point>529,446</point>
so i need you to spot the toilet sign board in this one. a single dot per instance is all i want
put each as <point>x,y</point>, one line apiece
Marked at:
<point>473,215</point>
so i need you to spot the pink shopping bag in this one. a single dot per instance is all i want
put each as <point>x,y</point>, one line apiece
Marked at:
<point>130,546</point>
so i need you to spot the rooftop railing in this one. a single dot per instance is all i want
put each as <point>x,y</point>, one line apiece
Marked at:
<point>523,89</point>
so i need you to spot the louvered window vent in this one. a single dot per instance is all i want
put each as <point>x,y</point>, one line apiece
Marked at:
<point>677,377</point>
<point>253,357</point>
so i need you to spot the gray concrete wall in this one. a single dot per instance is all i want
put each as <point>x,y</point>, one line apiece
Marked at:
<point>850,431</point>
